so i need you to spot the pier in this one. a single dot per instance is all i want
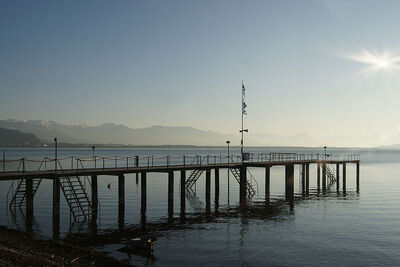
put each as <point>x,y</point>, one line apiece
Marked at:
<point>68,176</point>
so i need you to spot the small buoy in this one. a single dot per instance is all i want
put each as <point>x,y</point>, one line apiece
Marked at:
<point>109,186</point>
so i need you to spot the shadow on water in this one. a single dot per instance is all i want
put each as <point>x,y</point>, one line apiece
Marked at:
<point>275,209</point>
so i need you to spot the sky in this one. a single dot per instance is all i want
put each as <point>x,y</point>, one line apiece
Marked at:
<point>326,69</point>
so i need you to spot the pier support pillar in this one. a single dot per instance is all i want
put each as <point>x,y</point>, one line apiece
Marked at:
<point>56,207</point>
<point>324,177</point>
<point>216,170</point>
<point>358,177</point>
<point>267,182</point>
<point>337,177</point>
<point>183,191</point>
<point>29,204</point>
<point>318,175</point>
<point>137,165</point>
<point>143,198</point>
<point>289,181</point>
<point>303,178</point>
<point>170,194</point>
<point>95,198</point>
<point>344,177</point>
<point>307,178</point>
<point>121,201</point>
<point>243,185</point>
<point>208,190</point>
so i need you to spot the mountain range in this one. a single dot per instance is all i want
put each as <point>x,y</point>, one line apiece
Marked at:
<point>118,134</point>
<point>110,133</point>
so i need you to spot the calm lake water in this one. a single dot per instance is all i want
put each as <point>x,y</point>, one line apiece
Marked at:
<point>335,229</point>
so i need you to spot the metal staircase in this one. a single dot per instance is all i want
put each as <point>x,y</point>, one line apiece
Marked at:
<point>195,174</point>
<point>18,199</point>
<point>330,174</point>
<point>72,187</point>
<point>250,191</point>
<point>75,194</point>
<point>19,195</point>
<point>193,177</point>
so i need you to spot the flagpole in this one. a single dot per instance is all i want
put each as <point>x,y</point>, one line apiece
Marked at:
<point>241,149</point>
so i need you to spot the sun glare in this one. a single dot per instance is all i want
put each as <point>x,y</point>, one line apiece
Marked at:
<point>377,61</point>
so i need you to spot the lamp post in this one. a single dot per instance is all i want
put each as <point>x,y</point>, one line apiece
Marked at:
<point>228,142</point>
<point>55,153</point>
<point>93,147</point>
<point>325,152</point>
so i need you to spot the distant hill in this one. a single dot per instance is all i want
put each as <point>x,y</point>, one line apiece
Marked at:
<point>110,133</point>
<point>16,138</point>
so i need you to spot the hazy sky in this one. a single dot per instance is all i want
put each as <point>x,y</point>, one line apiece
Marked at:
<point>322,68</point>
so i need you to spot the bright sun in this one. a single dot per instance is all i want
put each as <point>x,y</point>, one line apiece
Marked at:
<point>377,61</point>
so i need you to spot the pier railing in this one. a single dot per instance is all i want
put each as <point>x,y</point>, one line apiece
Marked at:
<point>96,162</point>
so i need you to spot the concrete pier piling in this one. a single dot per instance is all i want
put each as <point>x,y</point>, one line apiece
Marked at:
<point>143,191</point>
<point>337,177</point>
<point>307,178</point>
<point>303,178</point>
<point>289,181</point>
<point>243,185</point>
<point>208,190</point>
<point>358,177</point>
<point>324,177</point>
<point>170,193</point>
<point>216,174</point>
<point>95,198</point>
<point>344,177</point>
<point>56,207</point>
<point>267,182</point>
<point>121,201</point>
<point>183,191</point>
<point>318,176</point>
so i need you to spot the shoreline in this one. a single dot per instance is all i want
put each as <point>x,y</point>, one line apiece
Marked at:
<point>18,248</point>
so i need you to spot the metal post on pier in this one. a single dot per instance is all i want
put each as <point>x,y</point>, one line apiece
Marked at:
<point>56,195</point>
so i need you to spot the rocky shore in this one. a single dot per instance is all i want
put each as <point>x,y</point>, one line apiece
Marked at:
<point>18,248</point>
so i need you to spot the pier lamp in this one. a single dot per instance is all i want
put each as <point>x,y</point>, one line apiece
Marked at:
<point>93,147</point>
<point>325,151</point>
<point>228,142</point>
<point>55,153</point>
